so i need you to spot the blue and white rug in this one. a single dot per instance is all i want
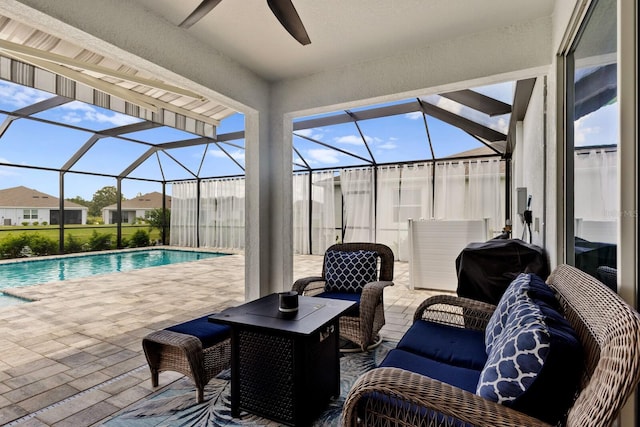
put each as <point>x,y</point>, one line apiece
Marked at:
<point>175,406</point>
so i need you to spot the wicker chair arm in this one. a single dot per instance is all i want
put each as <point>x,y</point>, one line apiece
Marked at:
<point>300,285</point>
<point>411,393</point>
<point>456,311</point>
<point>372,295</point>
<point>374,289</point>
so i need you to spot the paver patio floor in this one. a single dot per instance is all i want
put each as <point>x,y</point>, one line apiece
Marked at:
<point>73,356</point>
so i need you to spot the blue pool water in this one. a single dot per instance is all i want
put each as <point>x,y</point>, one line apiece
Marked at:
<point>25,273</point>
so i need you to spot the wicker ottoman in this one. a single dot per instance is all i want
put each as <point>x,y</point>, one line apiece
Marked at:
<point>198,349</point>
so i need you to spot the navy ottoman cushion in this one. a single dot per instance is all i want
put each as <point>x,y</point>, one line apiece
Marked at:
<point>444,343</point>
<point>208,333</point>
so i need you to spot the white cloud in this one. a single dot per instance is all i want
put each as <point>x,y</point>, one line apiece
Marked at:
<point>20,96</point>
<point>77,112</point>
<point>356,140</point>
<point>237,154</point>
<point>414,115</point>
<point>597,128</point>
<point>389,145</point>
<point>323,155</point>
<point>316,134</point>
<point>7,171</point>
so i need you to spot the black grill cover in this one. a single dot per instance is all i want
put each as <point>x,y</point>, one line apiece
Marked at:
<point>486,269</point>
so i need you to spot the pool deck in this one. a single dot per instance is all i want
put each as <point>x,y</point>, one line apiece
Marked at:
<point>73,357</point>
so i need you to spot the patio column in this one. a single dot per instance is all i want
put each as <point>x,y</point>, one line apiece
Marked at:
<point>268,205</point>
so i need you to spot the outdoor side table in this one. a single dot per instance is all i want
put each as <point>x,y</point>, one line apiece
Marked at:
<point>284,366</point>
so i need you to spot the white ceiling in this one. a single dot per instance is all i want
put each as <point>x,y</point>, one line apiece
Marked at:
<point>342,32</point>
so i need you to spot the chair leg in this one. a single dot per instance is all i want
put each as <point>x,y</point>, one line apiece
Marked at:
<point>199,394</point>
<point>154,377</point>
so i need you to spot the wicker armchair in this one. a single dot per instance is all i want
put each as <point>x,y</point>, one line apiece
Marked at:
<point>362,329</point>
<point>608,328</point>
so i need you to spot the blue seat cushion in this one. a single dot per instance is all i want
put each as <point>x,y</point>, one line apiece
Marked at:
<point>345,296</point>
<point>349,271</point>
<point>445,343</point>
<point>457,376</point>
<point>208,333</point>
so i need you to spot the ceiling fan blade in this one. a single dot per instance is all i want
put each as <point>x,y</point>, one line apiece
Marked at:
<point>290,20</point>
<point>199,12</point>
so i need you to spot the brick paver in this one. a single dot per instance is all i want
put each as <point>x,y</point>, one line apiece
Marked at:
<point>73,356</point>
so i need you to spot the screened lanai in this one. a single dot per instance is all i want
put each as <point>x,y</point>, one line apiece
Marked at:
<point>74,122</point>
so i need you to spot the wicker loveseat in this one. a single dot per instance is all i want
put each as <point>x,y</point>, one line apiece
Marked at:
<point>608,369</point>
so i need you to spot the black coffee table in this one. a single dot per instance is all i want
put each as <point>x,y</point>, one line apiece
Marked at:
<point>284,367</point>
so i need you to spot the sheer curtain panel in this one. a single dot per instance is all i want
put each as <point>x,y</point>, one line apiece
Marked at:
<point>184,214</point>
<point>301,213</point>
<point>324,232</point>
<point>486,194</point>
<point>222,213</point>
<point>450,191</point>
<point>416,201</point>
<point>388,206</point>
<point>357,186</point>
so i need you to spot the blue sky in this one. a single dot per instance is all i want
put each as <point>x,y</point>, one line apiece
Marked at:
<point>391,139</point>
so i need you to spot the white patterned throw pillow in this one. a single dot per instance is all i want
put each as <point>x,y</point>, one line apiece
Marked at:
<point>349,271</point>
<point>517,355</point>
<point>516,290</point>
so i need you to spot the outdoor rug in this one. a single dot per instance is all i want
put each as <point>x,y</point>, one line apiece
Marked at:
<point>176,405</point>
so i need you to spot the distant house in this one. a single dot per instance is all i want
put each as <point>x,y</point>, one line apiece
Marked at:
<point>134,208</point>
<point>22,204</point>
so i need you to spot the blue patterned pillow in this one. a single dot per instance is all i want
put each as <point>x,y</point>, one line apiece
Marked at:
<point>512,294</point>
<point>534,351</point>
<point>349,271</point>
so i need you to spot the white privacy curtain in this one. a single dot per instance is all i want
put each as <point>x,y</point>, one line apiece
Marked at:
<point>404,192</point>
<point>450,191</point>
<point>222,213</point>
<point>486,194</point>
<point>595,185</point>
<point>416,201</point>
<point>388,222</point>
<point>323,225</point>
<point>301,213</point>
<point>323,212</point>
<point>357,187</point>
<point>184,214</point>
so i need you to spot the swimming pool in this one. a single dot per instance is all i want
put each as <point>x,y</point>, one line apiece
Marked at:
<point>25,273</point>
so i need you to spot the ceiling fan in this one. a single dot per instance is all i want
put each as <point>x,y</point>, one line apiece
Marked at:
<point>282,9</point>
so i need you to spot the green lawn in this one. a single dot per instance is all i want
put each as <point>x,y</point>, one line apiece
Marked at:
<point>81,232</point>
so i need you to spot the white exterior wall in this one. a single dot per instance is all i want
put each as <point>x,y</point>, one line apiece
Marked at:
<point>529,166</point>
<point>16,215</point>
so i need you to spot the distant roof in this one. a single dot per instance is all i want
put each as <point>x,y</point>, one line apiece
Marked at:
<point>145,201</point>
<point>23,197</point>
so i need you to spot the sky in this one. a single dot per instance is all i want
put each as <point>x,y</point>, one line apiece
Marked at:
<point>391,139</point>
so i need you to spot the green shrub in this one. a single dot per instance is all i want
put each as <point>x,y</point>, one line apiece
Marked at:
<point>100,242</point>
<point>27,244</point>
<point>139,239</point>
<point>35,223</point>
<point>41,245</point>
<point>95,220</point>
<point>73,244</point>
<point>25,223</point>
<point>45,223</point>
